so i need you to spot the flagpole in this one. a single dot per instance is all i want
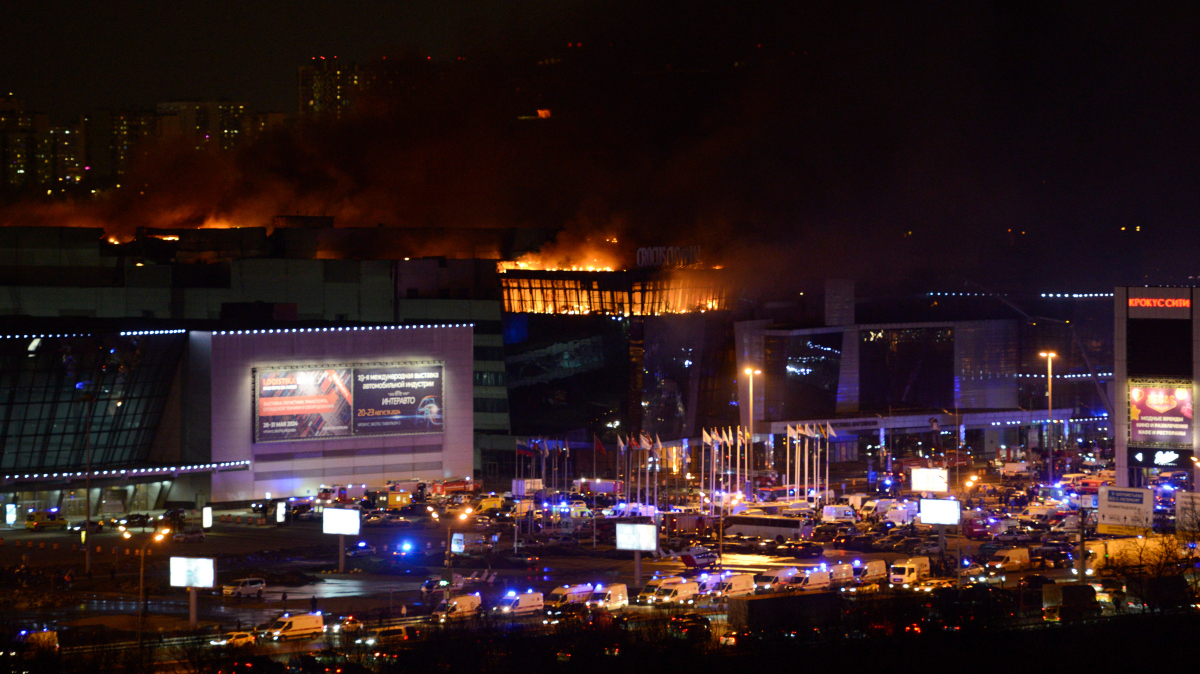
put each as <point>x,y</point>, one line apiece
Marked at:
<point>596,438</point>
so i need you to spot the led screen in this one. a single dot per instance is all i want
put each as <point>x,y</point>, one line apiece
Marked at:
<point>340,521</point>
<point>637,537</point>
<point>206,517</point>
<point>1160,415</point>
<point>337,401</point>
<point>192,572</point>
<point>939,511</point>
<point>930,479</point>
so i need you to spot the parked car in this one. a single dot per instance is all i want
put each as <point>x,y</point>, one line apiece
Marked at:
<point>189,536</point>
<point>1035,581</point>
<point>801,550</point>
<point>690,625</point>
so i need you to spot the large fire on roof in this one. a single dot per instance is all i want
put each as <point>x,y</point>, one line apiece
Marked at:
<point>668,281</point>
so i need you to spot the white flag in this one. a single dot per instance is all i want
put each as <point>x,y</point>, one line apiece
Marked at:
<point>707,438</point>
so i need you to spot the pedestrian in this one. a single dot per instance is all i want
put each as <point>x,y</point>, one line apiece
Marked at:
<point>239,625</point>
<point>313,603</point>
<point>404,610</point>
<point>285,600</point>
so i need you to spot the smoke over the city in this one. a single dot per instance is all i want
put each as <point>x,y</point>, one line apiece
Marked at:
<point>807,157</point>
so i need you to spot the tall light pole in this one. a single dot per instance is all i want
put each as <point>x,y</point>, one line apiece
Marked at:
<point>142,576</point>
<point>1049,356</point>
<point>750,449</point>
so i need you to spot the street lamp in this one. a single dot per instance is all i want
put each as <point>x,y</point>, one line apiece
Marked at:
<point>142,575</point>
<point>1049,356</point>
<point>750,450</point>
<point>450,552</point>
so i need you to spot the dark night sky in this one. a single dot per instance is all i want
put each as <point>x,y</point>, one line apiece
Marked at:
<point>955,121</point>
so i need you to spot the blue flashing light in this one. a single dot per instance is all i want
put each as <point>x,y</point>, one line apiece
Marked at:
<point>529,591</point>
<point>511,593</point>
<point>406,546</point>
<point>858,562</point>
<point>599,588</point>
<point>80,385</point>
<point>362,544</point>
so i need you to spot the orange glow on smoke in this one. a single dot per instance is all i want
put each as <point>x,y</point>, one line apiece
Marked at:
<point>565,256</point>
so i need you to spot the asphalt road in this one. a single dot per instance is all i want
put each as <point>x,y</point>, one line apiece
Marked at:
<point>302,546</point>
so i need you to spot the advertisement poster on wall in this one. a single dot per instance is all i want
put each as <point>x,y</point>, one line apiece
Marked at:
<point>337,401</point>
<point>389,400</point>
<point>303,404</point>
<point>1161,413</point>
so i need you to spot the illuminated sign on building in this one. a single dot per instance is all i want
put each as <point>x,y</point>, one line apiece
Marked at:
<point>1161,414</point>
<point>339,402</point>
<point>1160,302</point>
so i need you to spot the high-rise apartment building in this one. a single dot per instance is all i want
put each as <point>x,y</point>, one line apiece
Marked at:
<point>208,124</point>
<point>33,153</point>
<point>327,88</point>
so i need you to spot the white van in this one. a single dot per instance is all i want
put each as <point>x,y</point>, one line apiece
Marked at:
<point>514,604</point>
<point>857,501</point>
<point>903,512</point>
<point>735,585</point>
<point>774,578</point>
<point>1038,513</point>
<point>677,594</point>
<point>838,513</point>
<point>812,581</point>
<point>877,506</point>
<point>841,575</point>
<point>872,571</point>
<point>459,608</point>
<point>244,587</point>
<point>646,596</point>
<point>303,626</point>
<point>1073,479</point>
<point>708,582</point>
<point>568,594</point>
<point>613,597</point>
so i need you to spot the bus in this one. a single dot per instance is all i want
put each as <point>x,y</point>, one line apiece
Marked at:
<point>770,527</point>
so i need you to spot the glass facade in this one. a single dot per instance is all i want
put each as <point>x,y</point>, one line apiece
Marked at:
<point>55,390</point>
<point>803,372</point>
<point>906,369</point>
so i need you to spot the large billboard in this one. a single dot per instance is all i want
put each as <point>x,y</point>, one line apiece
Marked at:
<point>339,401</point>
<point>940,511</point>
<point>192,572</point>
<point>1161,413</point>
<point>397,399</point>
<point>642,537</point>
<point>345,521</point>
<point>1125,511</point>
<point>930,479</point>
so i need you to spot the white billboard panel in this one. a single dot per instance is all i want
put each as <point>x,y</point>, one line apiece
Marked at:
<point>1187,511</point>
<point>192,572</point>
<point>936,480</point>
<point>1125,510</point>
<point>340,521</point>
<point>206,517</point>
<point>940,511</point>
<point>280,512</point>
<point>637,537</point>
